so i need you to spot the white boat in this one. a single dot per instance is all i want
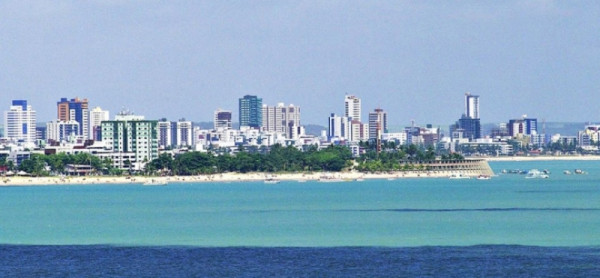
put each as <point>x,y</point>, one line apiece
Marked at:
<point>483,177</point>
<point>579,172</point>
<point>272,181</point>
<point>536,174</point>
<point>567,172</point>
<point>457,176</point>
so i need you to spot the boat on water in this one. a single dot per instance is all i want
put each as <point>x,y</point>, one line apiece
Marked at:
<point>567,172</point>
<point>484,177</point>
<point>536,174</point>
<point>458,176</point>
<point>155,183</point>
<point>272,181</point>
<point>579,172</point>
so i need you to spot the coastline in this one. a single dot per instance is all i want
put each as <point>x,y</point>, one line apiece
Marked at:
<point>259,177</point>
<point>217,178</point>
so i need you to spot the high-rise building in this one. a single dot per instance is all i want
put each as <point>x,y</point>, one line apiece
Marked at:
<point>61,131</point>
<point>377,124</point>
<point>134,139</point>
<point>250,111</point>
<point>338,127</point>
<point>469,124</point>
<point>358,131</point>
<point>523,126</point>
<point>75,110</point>
<point>165,138</point>
<point>352,108</point>
<point>174,134</point>
<point>471,106</point>
<point>281,119</point>
<point>183,136</point>
<point>222,119</point>
<point>97,116</point>
<point>20,122</point>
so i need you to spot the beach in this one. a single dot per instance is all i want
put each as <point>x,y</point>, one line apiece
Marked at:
<point>223,177</point>
<point>256,177</point>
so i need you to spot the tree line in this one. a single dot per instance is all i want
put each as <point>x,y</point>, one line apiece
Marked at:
<point>276,158</point>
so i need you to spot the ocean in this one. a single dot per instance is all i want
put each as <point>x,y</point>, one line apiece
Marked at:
<point>507,226</point>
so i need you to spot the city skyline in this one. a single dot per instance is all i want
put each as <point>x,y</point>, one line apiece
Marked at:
<point>179,59</point>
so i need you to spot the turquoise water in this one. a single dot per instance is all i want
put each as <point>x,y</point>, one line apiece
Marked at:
<point>509,209</point>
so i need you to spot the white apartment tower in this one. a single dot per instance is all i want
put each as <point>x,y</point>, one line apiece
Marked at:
<point>338,127</point>
<point>20,122</point>
<point>352,108</point>
<point>281,119</point>
<point>184,136</point>
<point>97,116</point>
<point>471,106</point>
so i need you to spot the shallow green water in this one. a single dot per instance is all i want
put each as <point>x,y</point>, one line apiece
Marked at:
<point>509,209</point>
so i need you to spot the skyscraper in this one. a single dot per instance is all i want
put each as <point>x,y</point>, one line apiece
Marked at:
<point>377,124</point>
<point>469,124</point>
<point>352,107</point>
<point>471,106</point>
<point>250,111</point>
<point>338,127</point>
<point>20,122</point>
<point>281,119</point>
<point>75,110</point>
<point>133,140</point>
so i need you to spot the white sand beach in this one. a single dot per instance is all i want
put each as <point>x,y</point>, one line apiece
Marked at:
<point>256,177</point>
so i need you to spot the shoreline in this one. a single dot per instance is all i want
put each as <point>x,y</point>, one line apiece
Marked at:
<point>217,178</point>
<point>260,177</point>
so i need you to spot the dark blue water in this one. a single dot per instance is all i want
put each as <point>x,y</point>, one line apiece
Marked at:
<point>474,261</point>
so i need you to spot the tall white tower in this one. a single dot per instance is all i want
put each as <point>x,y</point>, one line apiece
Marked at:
<point>352,107</point>
<point>471,106</point>
<point>20,122</point>
<point>97,116</point>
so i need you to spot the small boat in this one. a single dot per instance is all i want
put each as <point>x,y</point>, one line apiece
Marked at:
<point>457,176</point>
<point>483,177</point>
<point>155,183</point>
<point>567,172</point>
<point>272,181</point>
<point>536,174</point>
<point>579,172</point>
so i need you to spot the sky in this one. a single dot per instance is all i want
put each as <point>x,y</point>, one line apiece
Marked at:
<point>414,59</point>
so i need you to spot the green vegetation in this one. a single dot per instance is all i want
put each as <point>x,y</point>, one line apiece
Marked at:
<point>45,165</point>
<point>278,159</point>
<point>398,157</point>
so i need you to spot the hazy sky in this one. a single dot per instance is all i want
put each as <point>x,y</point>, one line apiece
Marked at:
<point>414,59</point>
